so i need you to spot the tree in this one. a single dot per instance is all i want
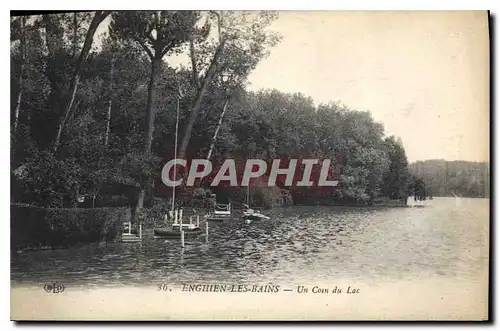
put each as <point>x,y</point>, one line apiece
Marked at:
<point>99,16</point>
<point>22,48</point>
<point>240,43</point>
<point>158,33</point>
<point>120,128</point>
<point>29,84</point>
<point>417,188</point>
<point>397,177</point>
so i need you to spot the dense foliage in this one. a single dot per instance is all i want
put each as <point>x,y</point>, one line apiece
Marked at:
<point>35,227</point>
<point>454,178</point>
<point>98,134</point>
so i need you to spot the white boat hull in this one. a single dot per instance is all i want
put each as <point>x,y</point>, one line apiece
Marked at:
<point>254,215</point>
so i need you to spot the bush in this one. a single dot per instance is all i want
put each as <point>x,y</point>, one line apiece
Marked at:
<point>62,227</point>
<point>155,215</point>
<point>269,197</point>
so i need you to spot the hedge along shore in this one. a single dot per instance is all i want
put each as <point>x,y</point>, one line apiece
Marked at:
<point>36,227</point>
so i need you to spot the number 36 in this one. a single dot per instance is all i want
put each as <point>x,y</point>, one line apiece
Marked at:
<point>162,287</point>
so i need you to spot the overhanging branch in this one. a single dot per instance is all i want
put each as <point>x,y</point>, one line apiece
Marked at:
<point>166,48</point>
<point>145,47</point>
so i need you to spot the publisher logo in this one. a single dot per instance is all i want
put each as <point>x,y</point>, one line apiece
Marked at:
<point>54,288</point>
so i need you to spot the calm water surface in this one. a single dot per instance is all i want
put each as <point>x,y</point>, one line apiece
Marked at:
<point>449,238</point>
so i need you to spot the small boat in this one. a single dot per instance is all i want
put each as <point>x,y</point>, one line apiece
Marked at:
<point>418,203</point>
<point>166,233</point>
<point>250,214</point>
<point>128,229</point>
<point>253,215</point>
<point>189,229</point>
<point>130,238</point>
<point>222,212</point>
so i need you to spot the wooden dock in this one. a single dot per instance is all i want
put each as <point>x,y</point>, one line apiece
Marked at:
<point>129,237</point>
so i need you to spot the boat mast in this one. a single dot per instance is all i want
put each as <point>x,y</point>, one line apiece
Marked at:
<point>175,147</point>
<point>248,194</point>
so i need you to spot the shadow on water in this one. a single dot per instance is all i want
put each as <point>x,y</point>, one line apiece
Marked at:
<point>297,244</point>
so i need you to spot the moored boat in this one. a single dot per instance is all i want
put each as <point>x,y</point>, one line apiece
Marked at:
<point>250,214</point>
<point>167,233</point>
<point>174,232</point>
<point>222,212</point>
<point>130,238</point>
<point>178,229</point>
<point>254,215</point>
<point>215,218</point>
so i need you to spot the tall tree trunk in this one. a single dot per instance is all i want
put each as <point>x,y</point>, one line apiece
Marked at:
<point>21,84</point>
<point>53,34</point>
<point>200,94</point>
<point>89,38</point>
<point>75,33</point>
<point>18,104</point>
<point>196,78</point>
<point>150,114</point>
<point>209,155</point>
<point>150,121</point>
<point>21,73</point>
<point>110,102</point>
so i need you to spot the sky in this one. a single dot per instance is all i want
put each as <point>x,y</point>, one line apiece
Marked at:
<point>423,75</point>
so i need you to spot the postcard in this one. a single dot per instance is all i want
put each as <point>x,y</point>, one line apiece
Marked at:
<point>250,166</point>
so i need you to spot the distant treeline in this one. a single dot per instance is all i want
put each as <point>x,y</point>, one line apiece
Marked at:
<point>454,178</point>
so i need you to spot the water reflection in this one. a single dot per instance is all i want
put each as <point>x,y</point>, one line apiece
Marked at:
<point>299,244</point>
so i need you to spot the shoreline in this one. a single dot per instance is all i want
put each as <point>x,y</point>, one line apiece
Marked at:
<point>148,228</point>
<point>188,213</point>
<point>150,225</point>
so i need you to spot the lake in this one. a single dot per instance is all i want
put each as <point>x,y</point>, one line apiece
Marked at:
<point>448,238</point>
